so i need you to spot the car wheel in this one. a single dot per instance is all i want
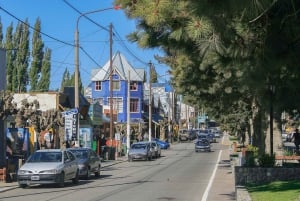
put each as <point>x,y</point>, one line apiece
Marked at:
<point>129,159</point>
<point>61,182</point>
<point>22,185</point>
<point>88,174</point>
<point>97,173</point>
<point>75,180</point>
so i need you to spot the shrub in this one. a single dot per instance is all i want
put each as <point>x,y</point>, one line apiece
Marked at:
<point>266,160</point>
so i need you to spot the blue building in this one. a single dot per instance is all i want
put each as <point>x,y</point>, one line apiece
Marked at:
<point>122,71</point>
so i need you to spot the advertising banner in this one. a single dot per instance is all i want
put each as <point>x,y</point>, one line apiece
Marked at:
<point>17,142</point>
<point>71,124</point>
<point>85,137</point>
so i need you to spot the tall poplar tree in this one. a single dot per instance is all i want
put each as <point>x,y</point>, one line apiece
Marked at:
<point>21,41</point>
<point>44,82</point>
<point>10,58</point>
<point>68,80</point>
<point>37,58</point>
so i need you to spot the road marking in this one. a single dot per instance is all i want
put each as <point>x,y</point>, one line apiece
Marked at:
<point>205,195</point>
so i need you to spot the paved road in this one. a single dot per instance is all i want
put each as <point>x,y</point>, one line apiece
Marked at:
<point>221,182</point>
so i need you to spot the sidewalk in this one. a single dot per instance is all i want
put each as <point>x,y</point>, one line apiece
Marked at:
<point>223,186</point>
<point>12,185</point>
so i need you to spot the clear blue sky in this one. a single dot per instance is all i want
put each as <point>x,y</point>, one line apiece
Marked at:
<point>58,20</point>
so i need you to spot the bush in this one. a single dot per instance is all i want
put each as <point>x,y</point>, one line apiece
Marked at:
<point>266,160</point>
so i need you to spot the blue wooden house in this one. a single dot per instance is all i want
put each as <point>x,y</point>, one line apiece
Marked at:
<point>122,72</point>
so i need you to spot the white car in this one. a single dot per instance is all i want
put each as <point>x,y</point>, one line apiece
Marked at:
<point>49,166</point>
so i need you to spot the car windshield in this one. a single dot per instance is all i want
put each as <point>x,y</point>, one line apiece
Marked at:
<point>45,157</point>
<point>138,146</point>
<point>82,154</point>
<point>202,142</point>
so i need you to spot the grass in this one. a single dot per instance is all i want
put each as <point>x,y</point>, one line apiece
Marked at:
<point>233,138</point>
<point>275,191</point>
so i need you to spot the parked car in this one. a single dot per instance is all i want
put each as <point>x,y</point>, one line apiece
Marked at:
<point>202,145</point>
<point>49,166</point>
<point>162,144</point>
<point>201,136</point>
<point>156,149</point>
<point>88,162</point>
<point>187,135</point>
<point>140,151</point>
<point>183,135</point>
<point>211,138</point>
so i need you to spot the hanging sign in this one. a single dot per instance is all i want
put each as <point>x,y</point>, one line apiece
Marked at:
<point>71,124</point>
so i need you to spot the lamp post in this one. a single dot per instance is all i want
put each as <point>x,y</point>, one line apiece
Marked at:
<point>76,73</point>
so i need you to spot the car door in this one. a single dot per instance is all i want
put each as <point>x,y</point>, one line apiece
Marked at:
<point>70,165</point>
<point>92,160</point>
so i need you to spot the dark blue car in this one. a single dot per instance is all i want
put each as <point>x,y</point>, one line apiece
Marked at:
<point>163,144</point>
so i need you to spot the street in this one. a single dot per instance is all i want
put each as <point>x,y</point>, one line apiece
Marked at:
<point>180,174</point>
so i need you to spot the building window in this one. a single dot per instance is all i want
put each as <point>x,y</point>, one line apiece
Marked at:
<point>117,104</point>
<point>134,105</point>
<point>116,85</point>
<point>98,85</point>
<point>133,86</point>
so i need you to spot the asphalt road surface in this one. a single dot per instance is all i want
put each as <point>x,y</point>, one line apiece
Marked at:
<point>180,174</point>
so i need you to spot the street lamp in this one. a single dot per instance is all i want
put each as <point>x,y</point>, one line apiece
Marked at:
<point>76,84</point>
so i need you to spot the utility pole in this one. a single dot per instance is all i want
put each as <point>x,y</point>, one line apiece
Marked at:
<point>110,84</point>
<point>150,101</point>
<point>128,113</point>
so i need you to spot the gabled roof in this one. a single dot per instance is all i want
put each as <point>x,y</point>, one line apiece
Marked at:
<point>120,66</point>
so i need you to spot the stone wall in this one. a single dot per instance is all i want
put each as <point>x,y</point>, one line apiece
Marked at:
<point>260,175</point>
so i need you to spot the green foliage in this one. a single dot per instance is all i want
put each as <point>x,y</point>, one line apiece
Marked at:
<point>44,82</point>
<point>37,57</point>
<point>254,149</point>
<point>275,191</point>
<point>266,160</point>
<point>226,54</point>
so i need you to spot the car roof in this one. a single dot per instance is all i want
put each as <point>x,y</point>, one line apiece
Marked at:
<point>79,148</point>
<point>49,150</point>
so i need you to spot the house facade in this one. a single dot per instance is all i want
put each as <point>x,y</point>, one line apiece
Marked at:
<point>122,73</point>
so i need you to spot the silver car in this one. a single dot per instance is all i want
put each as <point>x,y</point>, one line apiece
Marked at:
<point>88,162</point>
<point>49,166</point>
<point>202,145</point>
<point>140,151</point>
<point>156,148</point>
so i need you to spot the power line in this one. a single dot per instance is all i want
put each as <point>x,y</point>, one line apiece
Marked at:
<point>53,38</point>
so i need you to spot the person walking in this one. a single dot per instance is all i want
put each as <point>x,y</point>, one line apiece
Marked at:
<point>102,146</point>
<point>296,137</point>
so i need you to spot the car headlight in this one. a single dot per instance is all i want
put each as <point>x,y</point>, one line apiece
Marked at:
<point>23,172</point>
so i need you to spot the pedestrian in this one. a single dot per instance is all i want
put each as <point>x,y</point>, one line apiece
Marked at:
<point>102,145</point>
<point>296,137</point>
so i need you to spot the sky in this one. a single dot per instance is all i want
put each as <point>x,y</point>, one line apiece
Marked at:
<point>59,21</point>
